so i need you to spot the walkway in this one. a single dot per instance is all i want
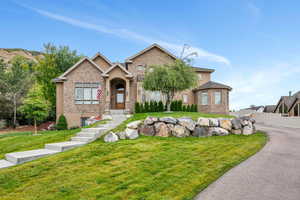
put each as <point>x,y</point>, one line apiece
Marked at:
<point>271,174</point>
<point>85,136</point>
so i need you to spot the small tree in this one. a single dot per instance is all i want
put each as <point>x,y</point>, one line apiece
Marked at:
<point>137,107</point>
<point>146,107</point>
<point>35,107</point>
<point>156,108</point>
<point>62,123</point>
<point>179,105</point>
<point>160,106</point>
<point>169,79</point>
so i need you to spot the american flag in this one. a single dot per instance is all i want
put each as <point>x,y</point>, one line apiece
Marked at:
<point>99,92</point>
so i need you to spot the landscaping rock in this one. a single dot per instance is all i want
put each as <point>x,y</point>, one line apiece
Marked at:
<point>248,130</point>
<point>203,121</point>
<point>236,131</point>
<point>121,135</point>
<point>245,122</point>
<point>147,130</point>
<point>169,120</point>
<point>236,123</point>
<point>111,137</point>
<point>131,133</point>
<point>214,122</point>
<point>107,117</point>
<point>150,120</point>
<point>217,131</point>
<point>201,132</point>
<point>134,125</point>
<point>187,123</point>
<point>226,124</point>
<point>162,130</point>
<point>180,131</point>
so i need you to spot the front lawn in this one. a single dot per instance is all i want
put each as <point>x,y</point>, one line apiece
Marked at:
<point>146,168</point>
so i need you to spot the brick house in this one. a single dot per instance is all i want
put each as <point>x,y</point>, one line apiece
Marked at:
<point>289,105</point>
<point>121,83</point>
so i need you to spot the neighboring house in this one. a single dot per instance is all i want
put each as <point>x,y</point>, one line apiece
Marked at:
<point>256,108</point>
<point>289,105</point>
<point>121,86</point>
<point>269,108</point>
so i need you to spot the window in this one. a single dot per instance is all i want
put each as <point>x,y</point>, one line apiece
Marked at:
<point>185,98</point>
<point>141,68</point>
<point>204,98</point>
<point>217,96</point>
<point>86,93</point>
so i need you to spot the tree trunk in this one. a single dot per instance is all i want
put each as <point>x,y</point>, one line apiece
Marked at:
<point>15,111</point>
<point>35,127</point>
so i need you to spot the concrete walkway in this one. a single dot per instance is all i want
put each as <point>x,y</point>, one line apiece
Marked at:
<point>85,136</point>
<point>271,174</point>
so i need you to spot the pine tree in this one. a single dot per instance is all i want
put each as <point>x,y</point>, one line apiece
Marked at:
<point>146,107</point>
<point>160,106</point>
<point>62,123</point>
<point>137,107</point>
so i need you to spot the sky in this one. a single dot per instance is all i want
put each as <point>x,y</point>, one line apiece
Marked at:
<point>254,46</point>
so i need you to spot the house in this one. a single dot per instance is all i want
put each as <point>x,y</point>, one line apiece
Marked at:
<point>121,86</point>
<point>289,105</point>
<point>269,108</point>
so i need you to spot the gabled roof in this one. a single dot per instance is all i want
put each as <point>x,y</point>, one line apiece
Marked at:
<point>269,108</point>
<point>98,54</point>
<point>149,48</point>
<point>128,74</point>
<point>289,101</point>
<point>212,85</point>
<point>63,76</point>
<point>200,69</point>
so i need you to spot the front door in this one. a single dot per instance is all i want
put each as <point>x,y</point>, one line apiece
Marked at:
<point>120,98</point>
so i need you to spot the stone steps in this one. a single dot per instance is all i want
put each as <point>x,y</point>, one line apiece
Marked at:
<point>83,139</point>
<point>63,146</point>
<point>25,156</point>
<point>5,164</point>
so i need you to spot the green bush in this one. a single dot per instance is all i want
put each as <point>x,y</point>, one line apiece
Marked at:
<point>146,107</point>
<point>62,123</point>
<point>160,106</point>
<point>152,109</point>
<point>156,108</point>
<point>184,108</point>
<point>179,105</point>
<point>137,107</point>
<point>195,108</point>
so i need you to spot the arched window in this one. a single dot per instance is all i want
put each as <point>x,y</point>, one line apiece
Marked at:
<point>297,110</point>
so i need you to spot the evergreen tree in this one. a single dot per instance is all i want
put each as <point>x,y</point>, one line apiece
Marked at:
<point>179,105</point>
<point>62,123</point>
<point>137,107</point>
<point>156,108</point>
<point>160,106</point>
<point>146,107</point>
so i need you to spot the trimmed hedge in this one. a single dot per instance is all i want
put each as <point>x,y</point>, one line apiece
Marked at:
<point>62,123</point>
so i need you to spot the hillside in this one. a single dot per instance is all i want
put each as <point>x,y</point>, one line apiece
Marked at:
<point>8,53</point>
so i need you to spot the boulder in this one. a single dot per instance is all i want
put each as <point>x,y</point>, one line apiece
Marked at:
<point>201,132</point>
<point>245,122</point>
<point>236,131</point>
<point>187,123</point>
<point>252,120</point>
<point>111,137</point>
<point>150,120</point>
<point>169,120</point>
<point>248,130</point>
<point>203,121</point>
<point>226,124</point>
<point>236,123</point>
<point>213,122</point>
<point>162,130</point>
<point>134,125</point>
<point>107,117</point>
<point>180,131</point>
<point>131,133</point>
<point>147,130</point>
<point>121,135</point>
<point>217,131</point>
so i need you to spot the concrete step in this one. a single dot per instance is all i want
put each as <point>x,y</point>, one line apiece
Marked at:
<point>116,112</point>
<point>63,146</point>
<point>93,130</point>
<point>88,134</point>
<point>83,139</point>
<point>25,156</point>
<point>5,164</point>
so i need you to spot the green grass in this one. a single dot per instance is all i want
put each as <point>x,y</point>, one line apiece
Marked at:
<point>193,115</point>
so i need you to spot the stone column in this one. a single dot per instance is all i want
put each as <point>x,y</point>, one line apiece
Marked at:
<point>127,96</point>
<point>107,96</point>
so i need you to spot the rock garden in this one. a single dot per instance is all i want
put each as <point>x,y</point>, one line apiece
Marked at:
<point>184,127</point>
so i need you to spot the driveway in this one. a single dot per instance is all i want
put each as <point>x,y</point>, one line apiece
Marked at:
<point>271,174</point>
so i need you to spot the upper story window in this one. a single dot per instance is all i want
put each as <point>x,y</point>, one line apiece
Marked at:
<point>217,97</point>
<point>204,98</point>
<point>185,98</point>
<point>86,93</point>
<point>141,68</point>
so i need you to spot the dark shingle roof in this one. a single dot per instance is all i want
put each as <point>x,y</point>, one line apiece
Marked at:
<point>201,69</point>
<point>269,108</point>
<point>213,85</point>
<point>289,100</point>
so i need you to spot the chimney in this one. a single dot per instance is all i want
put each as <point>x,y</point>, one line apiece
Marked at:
<point>290,93</point>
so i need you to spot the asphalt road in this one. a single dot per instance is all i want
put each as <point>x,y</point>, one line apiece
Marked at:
<point>271,174</point>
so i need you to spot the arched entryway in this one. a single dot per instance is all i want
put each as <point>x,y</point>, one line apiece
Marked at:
<point>118,93</point>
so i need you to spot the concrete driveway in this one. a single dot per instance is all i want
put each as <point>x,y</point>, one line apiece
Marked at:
<point>271,174</point>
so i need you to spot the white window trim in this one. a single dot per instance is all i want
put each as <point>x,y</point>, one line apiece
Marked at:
<point>215,97</point>
<point>207,99</point>
<point>85,86</point>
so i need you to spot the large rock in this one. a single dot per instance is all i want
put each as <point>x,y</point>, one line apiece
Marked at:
<point>187,123</point>
<point>134,125</point>
<point>236,131</point>
<point>226,124</point>
<point>169,120</point>
<point>245,122</point>
<point>201,132</point>
<point>111,137</point>
<point>121,135</point>
<point>203,121</point>
<point>248,130</point>
<point>162,130</point>
<point>131,133</point>
<point>236,123</point>
<point>147,130</point>
<point>150,120</point>
<point>180,131</point>
<point>217,131</point>
<point>214,122</point>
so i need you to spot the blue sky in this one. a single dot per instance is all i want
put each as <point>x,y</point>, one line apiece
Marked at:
<point>254,46</point>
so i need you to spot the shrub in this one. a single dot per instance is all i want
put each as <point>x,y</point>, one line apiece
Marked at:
<point>62,123</point>
<point>188,108</point>
<point>160,106</point>
<point>151,107</point>
<point>137,107</point>
<point>146,107</point>
<point>179,105</point>
<point>184,108</point>
<point>195,108</point>
<point>156,108</point>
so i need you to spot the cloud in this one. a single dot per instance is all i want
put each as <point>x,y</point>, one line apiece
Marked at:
<point>124,33</point>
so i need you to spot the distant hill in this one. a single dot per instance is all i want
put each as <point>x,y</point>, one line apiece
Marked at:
<point>8,53</point>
